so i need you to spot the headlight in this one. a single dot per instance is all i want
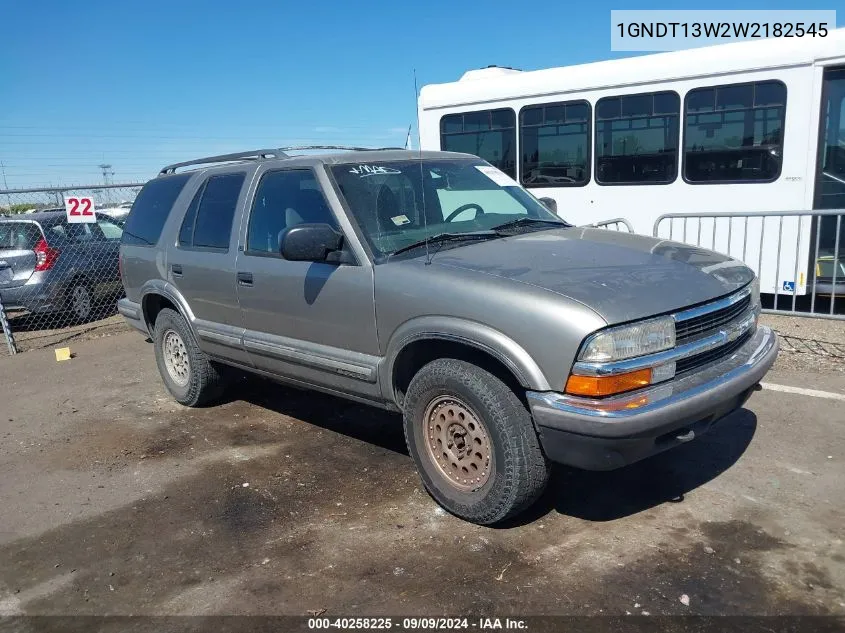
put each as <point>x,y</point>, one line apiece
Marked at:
<point>755,292</point>
<point>627,341</point>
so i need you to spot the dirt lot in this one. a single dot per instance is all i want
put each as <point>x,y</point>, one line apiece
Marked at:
<point>115,500</point>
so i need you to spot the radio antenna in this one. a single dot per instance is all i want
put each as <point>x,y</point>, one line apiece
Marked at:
<point>422,172</point>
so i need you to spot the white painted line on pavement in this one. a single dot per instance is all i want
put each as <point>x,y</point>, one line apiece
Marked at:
<point>804,392</point>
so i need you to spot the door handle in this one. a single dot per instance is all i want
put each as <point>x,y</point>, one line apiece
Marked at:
<point>176,269</point>
<point>244,279</point>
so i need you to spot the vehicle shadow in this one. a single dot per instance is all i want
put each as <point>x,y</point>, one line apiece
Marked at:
<point>666,477</point>
<point>367,424</point>
<point>593,496</point>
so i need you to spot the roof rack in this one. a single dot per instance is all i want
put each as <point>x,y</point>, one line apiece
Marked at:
<point>255,154</point>
<point>351,148</point>
<point>262,154</point>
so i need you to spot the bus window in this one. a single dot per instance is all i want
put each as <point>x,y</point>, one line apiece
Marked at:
<point>734,133</point>
<point>489,134</point>
<point>555,144</point>
<point>637,139</point>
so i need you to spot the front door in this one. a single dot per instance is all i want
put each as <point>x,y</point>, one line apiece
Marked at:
<point>309,321</point>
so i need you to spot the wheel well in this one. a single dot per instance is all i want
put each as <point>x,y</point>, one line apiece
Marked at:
<point>152,305</point>
<point>417,354</point>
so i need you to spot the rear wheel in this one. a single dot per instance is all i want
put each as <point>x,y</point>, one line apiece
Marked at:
<point>80,301</point>
<point>190,377</point>
<point>473,442</point>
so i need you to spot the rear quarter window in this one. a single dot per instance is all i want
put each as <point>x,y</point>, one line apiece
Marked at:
<point>151,208</point>
<point>18,236</point>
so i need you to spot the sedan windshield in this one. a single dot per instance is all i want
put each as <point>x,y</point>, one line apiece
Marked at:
<point>401,204</point>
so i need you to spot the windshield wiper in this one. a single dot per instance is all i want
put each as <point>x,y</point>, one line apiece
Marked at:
<point>524,221</point>
<point>440,238</point>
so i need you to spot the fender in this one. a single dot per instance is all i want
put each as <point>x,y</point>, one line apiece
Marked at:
<point>170,292</point>
<point>472,333</point>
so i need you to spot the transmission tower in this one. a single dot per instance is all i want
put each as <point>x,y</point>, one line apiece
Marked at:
<point>107,174</point>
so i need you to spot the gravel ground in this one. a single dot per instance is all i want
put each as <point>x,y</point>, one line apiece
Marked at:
<point>27,339</point>
<point>809,345</point>
<point>116,500</point>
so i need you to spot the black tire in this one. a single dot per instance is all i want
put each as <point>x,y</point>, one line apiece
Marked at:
<point>79,301</point>
<point>201,381</point>
<point>518,471</point>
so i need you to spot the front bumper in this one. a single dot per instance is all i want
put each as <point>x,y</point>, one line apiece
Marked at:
<point>612,432</point>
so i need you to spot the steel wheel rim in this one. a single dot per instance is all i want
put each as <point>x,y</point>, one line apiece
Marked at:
<point>81,301</point>
<point>176,358</point>
<point>457,443</point>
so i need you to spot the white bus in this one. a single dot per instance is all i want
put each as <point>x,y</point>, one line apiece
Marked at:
<point>755,126</point>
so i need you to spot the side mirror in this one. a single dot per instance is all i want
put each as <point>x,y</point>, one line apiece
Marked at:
<point>550,204</point>
<point>309,242</point>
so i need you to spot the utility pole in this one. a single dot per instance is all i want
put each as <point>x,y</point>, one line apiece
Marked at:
<point>6,185</point>
<point>107,179</point>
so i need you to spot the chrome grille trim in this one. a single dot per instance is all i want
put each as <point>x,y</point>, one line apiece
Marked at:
<point>728,333</point>
<point>715,306</point>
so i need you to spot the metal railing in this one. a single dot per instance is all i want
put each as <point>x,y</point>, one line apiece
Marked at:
<point>616,224</point>
<point>58,279</point>
<point>810,244</point>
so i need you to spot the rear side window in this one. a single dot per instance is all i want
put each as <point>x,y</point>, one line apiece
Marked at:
<point>73,233</point>
<point>186,232</point>
<point>111,230</point>
<point>18,236</point>
<point>213,215</point>
<point>151,208</point>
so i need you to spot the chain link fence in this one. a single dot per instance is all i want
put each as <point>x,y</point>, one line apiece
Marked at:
<point>59,276</point>
<point>799,256</point>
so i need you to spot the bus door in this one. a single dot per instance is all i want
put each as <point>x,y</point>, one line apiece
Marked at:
<point>829,190</point>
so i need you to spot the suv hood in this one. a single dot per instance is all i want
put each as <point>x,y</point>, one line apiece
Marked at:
<point>620,276</point>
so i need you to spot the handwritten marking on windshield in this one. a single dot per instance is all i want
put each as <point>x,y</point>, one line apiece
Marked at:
<point>373,170</point>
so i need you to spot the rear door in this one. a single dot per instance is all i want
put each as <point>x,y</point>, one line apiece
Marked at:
<point>17,254</point>
<point>202,264</point>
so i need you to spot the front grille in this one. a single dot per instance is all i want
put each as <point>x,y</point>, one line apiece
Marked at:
<point>693,328</point>
<point>693,362</point>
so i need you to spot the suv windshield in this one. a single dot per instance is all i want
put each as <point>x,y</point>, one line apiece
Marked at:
<point>400,203</point>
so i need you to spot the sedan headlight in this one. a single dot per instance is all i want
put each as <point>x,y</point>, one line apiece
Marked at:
<point>628,341</point>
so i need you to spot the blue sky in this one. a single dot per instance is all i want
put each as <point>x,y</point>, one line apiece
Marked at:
<point>141,84</point>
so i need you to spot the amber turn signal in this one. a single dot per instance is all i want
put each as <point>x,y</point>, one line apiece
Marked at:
<point>598,386</point>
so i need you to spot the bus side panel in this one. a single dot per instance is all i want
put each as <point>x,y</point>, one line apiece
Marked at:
<point>642,204</point>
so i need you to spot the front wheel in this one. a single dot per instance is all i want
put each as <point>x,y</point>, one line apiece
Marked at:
<point>473,442</point>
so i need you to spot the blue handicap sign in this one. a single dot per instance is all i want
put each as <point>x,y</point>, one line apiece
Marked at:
<point>789,286</point>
